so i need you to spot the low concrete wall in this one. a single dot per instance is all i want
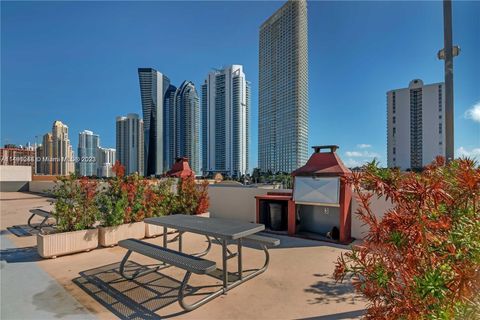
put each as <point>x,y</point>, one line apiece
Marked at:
<point>234,202</point>
<point>239,203</point>
<point>378,206</point>
<point>15,178</point>
<point>41,186</point>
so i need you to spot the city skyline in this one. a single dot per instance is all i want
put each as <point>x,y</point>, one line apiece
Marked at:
<point>331,96</point>
<point>173,126</point>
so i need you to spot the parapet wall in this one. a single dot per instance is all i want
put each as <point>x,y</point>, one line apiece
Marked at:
<point>15,178</point>
<point>238,202</point>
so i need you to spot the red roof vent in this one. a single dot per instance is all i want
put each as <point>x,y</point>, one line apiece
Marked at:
<point>323,164</point>
<point>180,169</point>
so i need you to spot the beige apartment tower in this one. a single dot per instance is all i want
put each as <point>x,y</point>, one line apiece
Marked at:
<point>283,89</point>
<point>56,154</point>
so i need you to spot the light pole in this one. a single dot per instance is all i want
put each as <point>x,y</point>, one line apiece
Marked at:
<point>36,168</point>
<point>447,53</point>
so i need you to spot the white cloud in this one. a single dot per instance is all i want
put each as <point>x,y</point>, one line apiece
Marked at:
<point>351,163</point>
<point>361,154</point>
<point>353,154</point>
<point>474,112</point>
<point>364,145</point>
<point>357,158</point>
<point>472,153</point>
<point>355,162</point>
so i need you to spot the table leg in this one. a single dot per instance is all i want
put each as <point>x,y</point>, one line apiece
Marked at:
<point>180,241</point>
<point>164,237</point>
<point>239,258</point>
<point>225,272</point>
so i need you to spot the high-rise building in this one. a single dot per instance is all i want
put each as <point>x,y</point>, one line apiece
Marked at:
<point>88,144</point>
<point>129,137</point>
<point>225,117</point>
<point>153,88</point>
<point>45,154</point>
<point>415,125</point>
<point>187,125</point>
<point>283,89</point>
<point>62,150</point>
<point>56,153</point>
<point>105,161</point>
<point>169,128</point>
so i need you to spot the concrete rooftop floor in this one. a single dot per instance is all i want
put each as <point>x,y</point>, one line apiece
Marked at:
<point>297,285</point>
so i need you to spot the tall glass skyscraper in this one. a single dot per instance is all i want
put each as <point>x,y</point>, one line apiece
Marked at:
<point>225,116</point>
<point>187,125</point>
<point>129,138</point>
<point>88,144</point>
<point>169,127</point>
<point>153,88</point>
<point>283,89</point>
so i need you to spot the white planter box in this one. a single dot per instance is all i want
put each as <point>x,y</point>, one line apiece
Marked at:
<point>152,230</point>
<point>57,244</point>
<point>109,236</point>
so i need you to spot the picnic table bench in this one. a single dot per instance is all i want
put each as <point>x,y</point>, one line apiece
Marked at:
<point>224,231</point>
<point>39,212</point>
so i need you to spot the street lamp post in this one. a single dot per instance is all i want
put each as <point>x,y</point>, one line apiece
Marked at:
<point>36,146</point>
<point>447,53</point>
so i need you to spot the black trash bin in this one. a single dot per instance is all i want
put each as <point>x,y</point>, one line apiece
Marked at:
<point>275,210</point>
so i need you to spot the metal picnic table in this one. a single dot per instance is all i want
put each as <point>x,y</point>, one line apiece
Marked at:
<point>224,231</point>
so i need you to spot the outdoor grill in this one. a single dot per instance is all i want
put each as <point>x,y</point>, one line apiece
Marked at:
<point>319,206</point>
<point>321,197</point>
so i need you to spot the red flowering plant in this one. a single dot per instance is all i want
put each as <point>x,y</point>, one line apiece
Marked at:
<point>161,197</point>
<point>75,205</point>
<point>191,198</point>
<point>422,259</point>
<point>126,199</point>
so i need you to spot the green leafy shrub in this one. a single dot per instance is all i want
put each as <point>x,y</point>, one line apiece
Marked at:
<point>128,199</point>
<point>191,198</point>
<point>162,198</point>
<point>75,206</point>
<point>422,259</point>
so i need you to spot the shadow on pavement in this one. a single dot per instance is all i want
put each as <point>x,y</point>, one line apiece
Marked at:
<point>326,291</point>
<point>357,314</point>
<point>16,255</point>
<point>140,298</point>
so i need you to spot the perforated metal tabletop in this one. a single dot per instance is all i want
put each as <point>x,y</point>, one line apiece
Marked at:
<point>229,229</point>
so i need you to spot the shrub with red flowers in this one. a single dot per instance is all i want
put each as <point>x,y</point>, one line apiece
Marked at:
<point>422,259</point>
<point>191,198</point>
<point>75,206</point>
<point>161,197</point>
<point>126,199</point>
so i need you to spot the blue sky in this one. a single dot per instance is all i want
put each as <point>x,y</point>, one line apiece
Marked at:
<point>77,62</point>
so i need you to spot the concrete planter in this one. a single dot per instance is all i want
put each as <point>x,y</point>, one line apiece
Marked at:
<point>58,244</point>
<point>109,236</point>
<point>152,231</point>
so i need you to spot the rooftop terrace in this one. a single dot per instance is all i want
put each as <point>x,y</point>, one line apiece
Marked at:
<point>297,284</point>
